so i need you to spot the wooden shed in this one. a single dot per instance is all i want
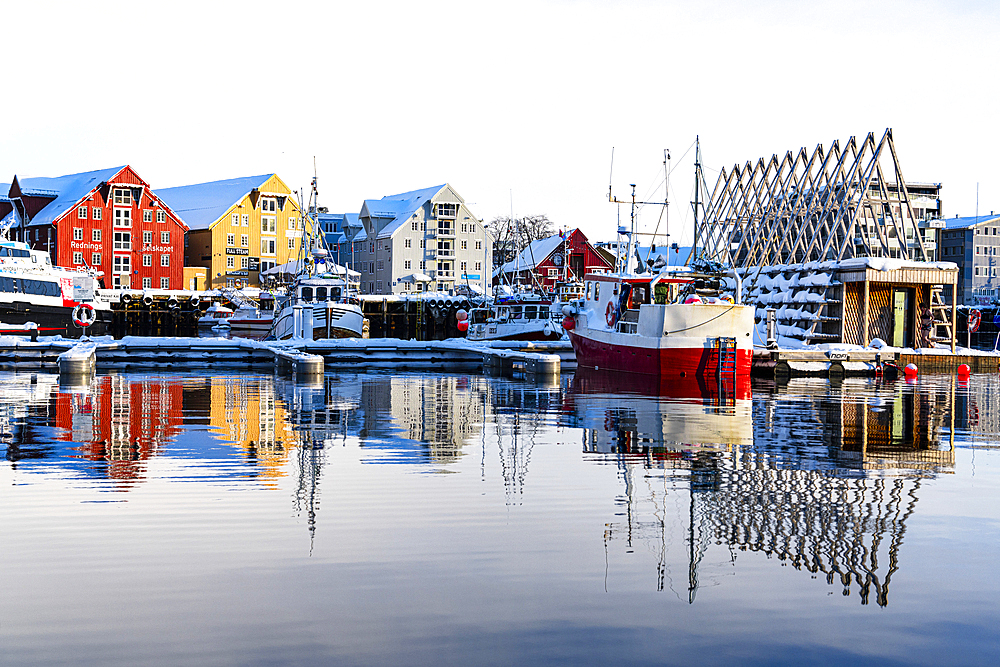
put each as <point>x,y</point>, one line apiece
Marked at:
<point>884,301</point>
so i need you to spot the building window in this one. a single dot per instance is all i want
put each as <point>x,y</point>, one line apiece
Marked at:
<point>147,283</point>
<point>81,212</point>
<point>465,267</point>
<point>371,267</point>
<point>553,273</point>
<point>406,263</point>
<point>246,219</point>
<point>381,265</point>
<point>164,282</point>
<point>479,245</point>
<point>291,244</point>
<point>413,225</point>
<point>465,228</point>
<point>423,243</point>
<point>267,246</point>
<point>161,216</point>
<point>123,196</point>
<point>236,219</point>
<point>147,216</point>
<point>446,210</point>
<point>147,260</point>
<point>479,266</point>
<point>407,243</point>
<point>123,217</point>
<point>95,235</point>
<point>268,224</point>
<point>230,239</point>
<point>291,222</point>
<point>164,237</point>
<point>423,265</point>
<point>123,241</point>
<point>465,245</point>
<point>244,262</point>
<point>97,213</point>
<point>95,259</point>
<point>230,262</point>
<point>244,241</point>
<point>78,233</point>
<point>123,264</point>
<point>78,258</point>
<point>371,247</point>
<point>147,238</point>
<point>164,260</point>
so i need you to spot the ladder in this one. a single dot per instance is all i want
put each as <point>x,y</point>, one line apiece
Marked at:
<point>726,346</point>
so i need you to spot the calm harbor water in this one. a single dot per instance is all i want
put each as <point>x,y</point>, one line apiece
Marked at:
<point>439,519</point>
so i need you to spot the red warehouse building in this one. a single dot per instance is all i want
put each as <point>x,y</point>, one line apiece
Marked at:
<point>108,220</point>
<point>558,258</point>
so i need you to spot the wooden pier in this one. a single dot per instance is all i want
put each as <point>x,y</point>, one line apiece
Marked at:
<point>780,364</point>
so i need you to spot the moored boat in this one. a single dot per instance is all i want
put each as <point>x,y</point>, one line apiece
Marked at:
<point>57,300</point>
<point>521,316</point>
<point>319,306</point>
<point>215,316</point>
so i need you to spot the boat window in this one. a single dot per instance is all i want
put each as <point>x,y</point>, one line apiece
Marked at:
<point>503,313</point>
<point>477,316</point>
<point>597,291</point>
<point>307,293</point>
<point>614,290</point>
<point>543,312</point>
<point>4,252</point>
<point>588,290</point>
<point>321,294</point>
<point>530,312</point>
<point>515,312</point>
<point>7,284</point>
<point>334,293</point>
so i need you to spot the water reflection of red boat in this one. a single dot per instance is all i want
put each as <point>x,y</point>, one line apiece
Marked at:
<point>706,387</point>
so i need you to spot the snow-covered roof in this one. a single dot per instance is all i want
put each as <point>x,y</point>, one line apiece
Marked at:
<point>969,221</point>
<point>68,189</point>
<point>201,204</point>
<point>534,254</point>
<point>398,208</point>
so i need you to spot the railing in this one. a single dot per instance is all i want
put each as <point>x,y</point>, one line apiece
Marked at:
<point>444,274</point>
<point>444,231</point>
<point>445,252</point>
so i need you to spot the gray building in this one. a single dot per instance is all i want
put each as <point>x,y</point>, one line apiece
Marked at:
<point>420,241</point>
<point>974,244</point>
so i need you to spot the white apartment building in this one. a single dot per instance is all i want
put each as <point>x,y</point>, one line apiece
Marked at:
<point>420,241</point>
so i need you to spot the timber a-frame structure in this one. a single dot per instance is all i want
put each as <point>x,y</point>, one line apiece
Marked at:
<point>825,206</point>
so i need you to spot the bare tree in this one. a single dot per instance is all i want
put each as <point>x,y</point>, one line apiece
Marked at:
<point>510,236</point>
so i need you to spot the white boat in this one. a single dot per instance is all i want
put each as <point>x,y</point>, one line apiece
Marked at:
<point>676,323</point>
<point>322,301</point>
<point>57,301</point>
<point>321,306</point>
<point>522,316</point>
<point>215,316</point>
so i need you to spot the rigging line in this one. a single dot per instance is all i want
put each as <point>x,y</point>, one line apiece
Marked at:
<point>702,323</point>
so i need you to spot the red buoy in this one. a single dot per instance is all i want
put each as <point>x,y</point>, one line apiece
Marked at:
<point>568,323</point>
<point>964,370</point>
<point>463,325</point>
<point>910,371</point>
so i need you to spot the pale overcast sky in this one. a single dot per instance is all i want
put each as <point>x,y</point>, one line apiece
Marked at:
<point>516,104</point>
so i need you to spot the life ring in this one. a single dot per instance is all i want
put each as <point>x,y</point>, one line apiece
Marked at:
<point>126,299</point>
<point>975,317</point>
<point>610,314</point>
<point>84,315</point>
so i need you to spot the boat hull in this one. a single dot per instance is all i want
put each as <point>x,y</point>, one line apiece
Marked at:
<point>53,320</point>
<point>346,321</point>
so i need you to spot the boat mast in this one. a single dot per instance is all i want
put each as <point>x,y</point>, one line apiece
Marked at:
<point>697,186</point>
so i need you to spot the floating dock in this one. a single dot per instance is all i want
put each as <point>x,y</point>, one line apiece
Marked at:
<point>296,357</point>
<point>780,364</point>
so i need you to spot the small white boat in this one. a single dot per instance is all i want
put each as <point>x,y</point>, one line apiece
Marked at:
<point>522,316</point>
<point>216,316</point>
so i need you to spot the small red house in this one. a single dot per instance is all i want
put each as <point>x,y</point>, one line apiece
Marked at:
<point>108,220</point>
<point>563,257</point>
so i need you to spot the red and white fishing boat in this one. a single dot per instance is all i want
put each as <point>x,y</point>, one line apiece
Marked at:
<point>659,325</point>
<point>674,322</point>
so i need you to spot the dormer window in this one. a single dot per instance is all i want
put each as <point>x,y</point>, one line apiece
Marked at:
<point>123,197</point>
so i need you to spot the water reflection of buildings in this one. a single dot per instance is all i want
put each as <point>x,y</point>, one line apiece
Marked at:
<point>819,477</point>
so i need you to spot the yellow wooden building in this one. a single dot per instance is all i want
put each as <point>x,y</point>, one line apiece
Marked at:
<point>239,227</point>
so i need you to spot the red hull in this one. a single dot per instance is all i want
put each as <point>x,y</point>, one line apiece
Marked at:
<point>676,362</point>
